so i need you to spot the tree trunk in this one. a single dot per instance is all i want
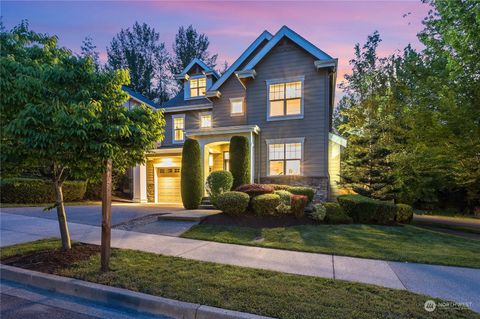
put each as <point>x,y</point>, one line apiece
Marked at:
<point>62,218</point>
<point>106,215</point>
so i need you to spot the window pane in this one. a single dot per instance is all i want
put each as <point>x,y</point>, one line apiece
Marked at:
<point>276,91</point>
<point>276,151</point>
<point>193,92</point>
<point>178,135</point>
<point>206,121</point>
<point>293,167</point>
<point>293,151</point>
<point>178,123</point>
<point>202,91</point>
<point>237,107</point>
<point>193,83</point>
<point>293,107</point>
<point>202,82</point>
<point>276,108</point>
<point>276,168</point>
<point>293,90</point>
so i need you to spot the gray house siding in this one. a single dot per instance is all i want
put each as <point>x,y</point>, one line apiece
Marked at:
<point>232,88</point>
<point>284,61</point>
<point>192,121</point>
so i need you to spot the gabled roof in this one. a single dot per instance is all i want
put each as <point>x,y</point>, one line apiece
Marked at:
<point>139,97</point>
<point>202,64</point>
<point>264,36</point>
<point>293,36</point>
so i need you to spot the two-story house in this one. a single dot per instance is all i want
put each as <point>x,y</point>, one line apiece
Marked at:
<point>279,94</point>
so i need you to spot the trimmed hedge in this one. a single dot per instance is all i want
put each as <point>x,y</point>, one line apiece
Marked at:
<point>191,182</point>
<point>255,189</point>
<point>38,191</point>
<point>239,160</point>
<point>319,213</point>
<point>284,209</point>
<point>218,183</point>
<point>367,210</point>
<point>265,204</point>
<point>334,214</point>
<point>301,190</point>
<point>285,196</point>
<point>233,203</point>
<point>404,213</point>
<point>299,202</point>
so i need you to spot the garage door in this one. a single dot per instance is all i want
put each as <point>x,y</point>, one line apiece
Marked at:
<point>169,185</point>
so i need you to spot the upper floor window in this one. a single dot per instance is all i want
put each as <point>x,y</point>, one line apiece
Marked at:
<point>285,158</point>
<point>206,120</point>
<point>236,106</point>
<point>198,87</point>
<point>178,128</point>
<point>285,99</point>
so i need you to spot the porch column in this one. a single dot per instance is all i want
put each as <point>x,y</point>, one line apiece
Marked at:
<point>251,139</point>
<point>140,184</point>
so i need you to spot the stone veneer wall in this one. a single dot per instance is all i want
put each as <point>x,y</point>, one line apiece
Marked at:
<point>320,184</point>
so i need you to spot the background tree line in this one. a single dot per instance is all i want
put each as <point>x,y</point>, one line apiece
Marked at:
<point>140,50</point>
<point>413,118</point>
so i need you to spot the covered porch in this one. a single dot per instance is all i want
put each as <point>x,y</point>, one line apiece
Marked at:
<point>215,143</point>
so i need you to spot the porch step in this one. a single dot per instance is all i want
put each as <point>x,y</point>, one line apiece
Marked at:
<point>206,204</point>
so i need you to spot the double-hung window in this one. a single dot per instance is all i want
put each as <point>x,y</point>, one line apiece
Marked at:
<point>206,120</point>
<point>198,87</point>
<point>178,128</point>
<point>285,158</point>
<point>285,99</point>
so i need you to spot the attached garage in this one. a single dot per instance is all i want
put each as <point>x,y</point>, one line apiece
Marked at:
<point>163,178</point>
<point>168,183</point>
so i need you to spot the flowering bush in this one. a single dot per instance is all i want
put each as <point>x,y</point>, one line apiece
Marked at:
<point>299,202</point>
<point>255,189</point>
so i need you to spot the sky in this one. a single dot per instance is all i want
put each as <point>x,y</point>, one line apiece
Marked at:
<point>333,26</point>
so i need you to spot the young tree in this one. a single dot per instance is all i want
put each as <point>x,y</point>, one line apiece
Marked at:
<point>189,44</point>
<point>140,51</point>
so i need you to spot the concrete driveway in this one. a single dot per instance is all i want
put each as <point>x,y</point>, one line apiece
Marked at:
<point>92,215</point>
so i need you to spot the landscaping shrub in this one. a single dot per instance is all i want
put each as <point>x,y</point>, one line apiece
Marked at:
<point>265,204</point>
<point>38,191</point>
<point>94,191</point>
<point>218,183</point>
<point>319,213</point>
<point>404,213</point>
<point>299,202</point>
<point>279,187</point>
<point>191,175</point>
<point>334,214</point>
<point>301,190</point>
<point>233,203</point>
<point>239,160</point>
<point>367,210</point>
<point>284,209</point>
<point>285,196</point>
<point>255,189</point>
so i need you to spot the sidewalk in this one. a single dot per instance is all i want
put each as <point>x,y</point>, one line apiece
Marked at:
<point>453,283</point>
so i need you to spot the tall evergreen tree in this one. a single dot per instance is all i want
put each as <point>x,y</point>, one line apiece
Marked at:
<point>89,49</point>
<point>140,51</point>
<point>190,44</point>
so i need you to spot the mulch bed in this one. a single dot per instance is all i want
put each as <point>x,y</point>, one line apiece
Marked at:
<point>256,221</point>
<point>49,261</point>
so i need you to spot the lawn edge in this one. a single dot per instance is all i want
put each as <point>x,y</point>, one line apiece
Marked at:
<point>119,297</point>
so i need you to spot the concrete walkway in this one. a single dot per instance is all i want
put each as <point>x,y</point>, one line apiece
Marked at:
<point>453,283</point>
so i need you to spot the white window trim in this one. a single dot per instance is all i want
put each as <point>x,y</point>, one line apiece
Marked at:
<point>200,96</point>
<point>237,99</point>
<point>300,140</point>
<point>211,120</point>
<point>285,80</point>
<point>173,128</point>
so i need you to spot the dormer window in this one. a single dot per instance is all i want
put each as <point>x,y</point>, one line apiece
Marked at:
<point>198,87</point>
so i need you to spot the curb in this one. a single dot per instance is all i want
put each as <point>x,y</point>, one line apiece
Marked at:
<point>119,297</point>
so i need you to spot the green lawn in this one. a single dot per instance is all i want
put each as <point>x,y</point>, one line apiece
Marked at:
<point>257,291</point>
<point>449,213</point>
<point>401,243</point>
